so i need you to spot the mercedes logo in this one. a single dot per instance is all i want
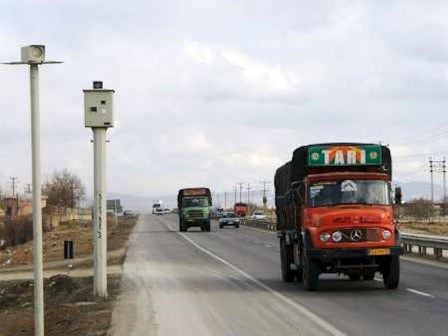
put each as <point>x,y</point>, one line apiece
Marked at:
<point>356,235</point>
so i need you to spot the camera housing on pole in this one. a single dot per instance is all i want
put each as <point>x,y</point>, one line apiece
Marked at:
<point>99,107</point>
<point>98,115</point>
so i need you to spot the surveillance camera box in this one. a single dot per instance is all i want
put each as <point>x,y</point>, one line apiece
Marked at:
<point>98,108</point>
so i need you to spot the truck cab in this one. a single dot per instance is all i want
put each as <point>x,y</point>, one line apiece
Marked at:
<point>194,208</point>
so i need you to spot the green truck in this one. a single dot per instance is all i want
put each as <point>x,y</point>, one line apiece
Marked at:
<point>194,208</point>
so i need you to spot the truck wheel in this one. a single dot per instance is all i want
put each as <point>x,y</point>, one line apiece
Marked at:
<point>368,275</point>
<point>207,226</point>
<point>182,227</point>
<point>391,272</point>
<point>286,259</point>
<point>310,273</point>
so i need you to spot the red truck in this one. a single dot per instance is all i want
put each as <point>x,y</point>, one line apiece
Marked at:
<point>240,209</point>
<point>334,214</point>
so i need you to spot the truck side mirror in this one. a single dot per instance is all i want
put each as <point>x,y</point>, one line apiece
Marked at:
<point>398,195</point>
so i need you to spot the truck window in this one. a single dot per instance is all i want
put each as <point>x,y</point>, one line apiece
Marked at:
<point>330,193</point>
<point>194,202</point>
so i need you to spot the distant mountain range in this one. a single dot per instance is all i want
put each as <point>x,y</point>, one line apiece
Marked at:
<point>143,204</point>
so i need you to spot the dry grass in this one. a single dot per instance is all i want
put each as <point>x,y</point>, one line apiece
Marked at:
<point>431,228</point>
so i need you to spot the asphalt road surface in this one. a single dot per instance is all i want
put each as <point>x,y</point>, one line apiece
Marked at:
<point>227,282</point>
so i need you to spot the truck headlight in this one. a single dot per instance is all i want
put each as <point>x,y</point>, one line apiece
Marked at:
<point>324,236</point>
<point>336,236</point>
<point>387,234</point>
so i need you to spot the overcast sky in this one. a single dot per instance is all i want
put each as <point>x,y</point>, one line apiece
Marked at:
<point>217,92</point>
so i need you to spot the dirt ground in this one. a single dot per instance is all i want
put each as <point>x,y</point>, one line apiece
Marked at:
<point>78,231</point>
<point>70,306</point>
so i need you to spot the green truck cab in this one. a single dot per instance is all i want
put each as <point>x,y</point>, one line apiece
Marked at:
<point>194,208</point>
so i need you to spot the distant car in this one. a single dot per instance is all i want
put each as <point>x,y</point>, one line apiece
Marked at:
<point>258,215</point>
<point>166,211</point>
<point>229,219</point>
<point>159,211</point>
<point>129,213</point>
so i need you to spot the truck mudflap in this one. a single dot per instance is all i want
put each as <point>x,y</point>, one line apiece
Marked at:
<point>331,254</point>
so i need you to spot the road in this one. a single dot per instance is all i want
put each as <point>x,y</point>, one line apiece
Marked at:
<point>227,282</point>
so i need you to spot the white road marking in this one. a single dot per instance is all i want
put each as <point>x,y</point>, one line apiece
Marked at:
<point>420,293</point>
<point>267,245</point>
<point>307,313</point>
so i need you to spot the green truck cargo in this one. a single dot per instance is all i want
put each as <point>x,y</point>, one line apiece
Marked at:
<point>194,208</point>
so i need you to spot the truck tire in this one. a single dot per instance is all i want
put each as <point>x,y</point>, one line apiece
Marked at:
<point>182,226</point>
<point>310,273</point>
<point>207,226</point>
<point>391,272</point>
<point>286,259</point>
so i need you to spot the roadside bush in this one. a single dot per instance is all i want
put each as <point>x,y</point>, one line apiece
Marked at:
<point>420,208</point>
<point>16,231</point>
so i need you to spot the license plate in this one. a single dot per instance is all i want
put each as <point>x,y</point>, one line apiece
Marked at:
<point>380,251</point>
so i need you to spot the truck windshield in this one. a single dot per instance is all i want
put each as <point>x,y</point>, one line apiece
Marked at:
<point>194,202</point>
<point>329,193</point>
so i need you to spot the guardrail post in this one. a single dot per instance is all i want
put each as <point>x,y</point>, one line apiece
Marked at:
<point>438,253</point>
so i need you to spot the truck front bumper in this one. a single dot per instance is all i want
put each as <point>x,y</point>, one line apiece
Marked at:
<point>327,255</point>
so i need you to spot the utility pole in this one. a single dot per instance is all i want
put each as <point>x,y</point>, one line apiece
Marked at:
<point>34,55</point>
<point>241,186</point>
<point>13,184</point>
<point>225,200</point>
<point>437,166</point>
<point>98,112</point>
<point>432,181</point>
<point>248,197</point>
<point>235,194</point>
<point>28,188</point>
<point>265,200</point>
<point>444,185</point>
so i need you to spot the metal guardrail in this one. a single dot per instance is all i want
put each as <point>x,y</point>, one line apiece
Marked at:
<point>263,224</point>
<point>438,244</point>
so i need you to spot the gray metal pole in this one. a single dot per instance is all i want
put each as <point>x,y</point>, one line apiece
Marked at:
<point>235,193</point>
<point>100,215</point>
<point>432,181</point>
<point>37,203</point>
<point>444,185</point>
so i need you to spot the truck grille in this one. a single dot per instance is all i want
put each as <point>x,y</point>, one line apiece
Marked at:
<point>367,235</point>
<point>195,214</point>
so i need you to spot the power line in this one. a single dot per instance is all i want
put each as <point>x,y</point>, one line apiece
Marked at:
<point>421,135</point>
<point>418,155</point>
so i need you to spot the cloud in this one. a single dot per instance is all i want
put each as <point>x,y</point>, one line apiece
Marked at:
<point>220,92</point>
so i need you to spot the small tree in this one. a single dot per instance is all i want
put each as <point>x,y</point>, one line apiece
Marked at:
<point>64,189</point>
